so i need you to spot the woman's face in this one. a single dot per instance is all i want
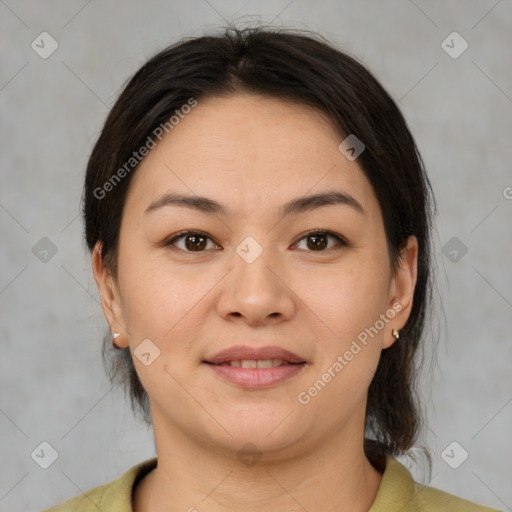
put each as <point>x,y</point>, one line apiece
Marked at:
<point>255,279</point>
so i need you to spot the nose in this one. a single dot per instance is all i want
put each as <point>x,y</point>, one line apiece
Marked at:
<point>256,292</point>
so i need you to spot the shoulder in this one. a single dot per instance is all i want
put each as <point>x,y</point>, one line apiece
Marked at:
<point>115,495</point>
<point>435,500</point>
<point>90,500</point>
<point>398,491</point>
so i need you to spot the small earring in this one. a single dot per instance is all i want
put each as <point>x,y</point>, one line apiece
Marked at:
<point>115,335</point>
<point>396,333</point>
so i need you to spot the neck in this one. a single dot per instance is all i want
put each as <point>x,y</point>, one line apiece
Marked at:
<point>334,476</point>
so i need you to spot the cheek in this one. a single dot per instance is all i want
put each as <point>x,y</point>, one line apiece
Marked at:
<point>349,299</point>
<point>165,301</point>
<point>349,307</point>
<point>163,305</point>
<point>154,302</point>
<point>152,298</point>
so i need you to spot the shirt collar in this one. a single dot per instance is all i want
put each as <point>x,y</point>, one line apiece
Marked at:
<point>397,487</point>
<point>396,490</point>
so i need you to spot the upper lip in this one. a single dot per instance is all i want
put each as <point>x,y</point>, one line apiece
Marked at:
<point>244,353</point>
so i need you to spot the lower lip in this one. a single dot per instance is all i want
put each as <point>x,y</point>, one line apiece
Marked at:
<point>257,378</point>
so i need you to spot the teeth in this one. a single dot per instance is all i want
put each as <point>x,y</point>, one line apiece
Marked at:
<point>260,363</point>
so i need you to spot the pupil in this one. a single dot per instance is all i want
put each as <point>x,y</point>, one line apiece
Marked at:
<point>322,244</point>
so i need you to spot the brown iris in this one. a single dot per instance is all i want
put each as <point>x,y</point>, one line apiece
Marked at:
<point>197,242</point>
<point>320,241</point>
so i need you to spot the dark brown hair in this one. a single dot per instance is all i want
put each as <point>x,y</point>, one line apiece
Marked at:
<point>292,65</point>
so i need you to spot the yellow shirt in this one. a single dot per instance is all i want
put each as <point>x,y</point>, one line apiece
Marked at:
<point>397,492</point>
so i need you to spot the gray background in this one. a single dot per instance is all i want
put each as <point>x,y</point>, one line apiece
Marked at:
<point>53,386</point>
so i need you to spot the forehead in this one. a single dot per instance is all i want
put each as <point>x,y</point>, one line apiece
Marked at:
<point>251,152</point>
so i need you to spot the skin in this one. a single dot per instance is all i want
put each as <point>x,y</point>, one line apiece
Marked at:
<point>253,154</point>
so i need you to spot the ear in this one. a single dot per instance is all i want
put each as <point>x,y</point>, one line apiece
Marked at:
<point>110,297</point>
<point>402,287</point>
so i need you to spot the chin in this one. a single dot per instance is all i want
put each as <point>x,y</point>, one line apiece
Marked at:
<point>268,427</point>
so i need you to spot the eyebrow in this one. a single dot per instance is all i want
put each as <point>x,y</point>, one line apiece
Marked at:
<point>295,206</point>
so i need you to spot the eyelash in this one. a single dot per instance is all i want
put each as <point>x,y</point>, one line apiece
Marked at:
<point>341,241</point>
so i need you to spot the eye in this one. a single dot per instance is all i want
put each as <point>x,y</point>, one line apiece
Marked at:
<point>195,241</point>
<point>318,240</point>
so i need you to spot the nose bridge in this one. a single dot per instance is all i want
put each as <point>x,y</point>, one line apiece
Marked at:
<point>256,289</point>
<point>253,262</point>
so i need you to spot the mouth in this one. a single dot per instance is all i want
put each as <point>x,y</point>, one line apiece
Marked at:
<point>255,368</point>
<point>268,357</point>
<point>255,363</point>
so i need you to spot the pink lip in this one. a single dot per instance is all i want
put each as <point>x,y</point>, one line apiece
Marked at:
<point>256,378</point>
<point>240,353</point>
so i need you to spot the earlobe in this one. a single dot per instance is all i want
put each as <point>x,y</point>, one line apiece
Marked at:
<point>402,289</point>
<point>109,296</point>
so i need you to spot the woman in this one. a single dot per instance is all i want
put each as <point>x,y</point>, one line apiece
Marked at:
<point>259,220</point>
